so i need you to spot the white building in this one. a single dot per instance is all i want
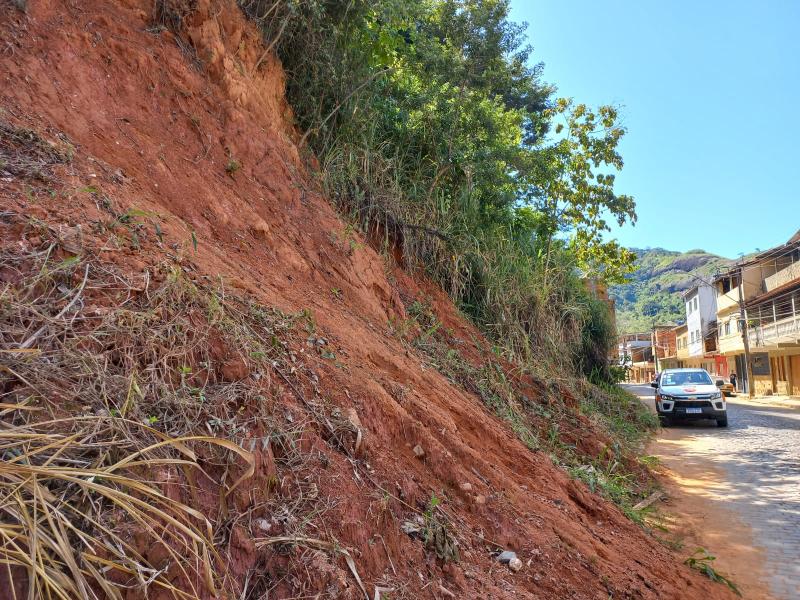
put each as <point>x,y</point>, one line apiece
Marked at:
<point>701,318</point>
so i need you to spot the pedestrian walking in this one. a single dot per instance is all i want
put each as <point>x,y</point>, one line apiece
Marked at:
<point>733,382</point>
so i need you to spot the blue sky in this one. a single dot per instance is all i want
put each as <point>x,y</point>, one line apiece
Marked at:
<point>710,94</point>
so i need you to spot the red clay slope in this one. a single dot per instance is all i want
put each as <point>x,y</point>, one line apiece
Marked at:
<point>154,128</point>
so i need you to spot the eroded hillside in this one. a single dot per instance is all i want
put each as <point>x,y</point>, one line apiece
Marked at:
<point>170,271</point>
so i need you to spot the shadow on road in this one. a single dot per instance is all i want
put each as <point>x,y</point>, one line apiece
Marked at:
<point>751,471</point>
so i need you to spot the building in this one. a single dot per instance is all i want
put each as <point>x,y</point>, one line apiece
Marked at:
<point>599,290</point>
<point>701,324</point>
<point>738,284</point>
<point>682,345</point>
<point>773,318</point>
<point>665,347</point>
<point>768,287</point>
<point>635,352</point>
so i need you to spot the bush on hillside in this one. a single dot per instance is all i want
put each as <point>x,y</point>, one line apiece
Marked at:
<point>436,134</point>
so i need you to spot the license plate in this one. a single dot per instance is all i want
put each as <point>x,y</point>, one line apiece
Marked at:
<point>694,411</point>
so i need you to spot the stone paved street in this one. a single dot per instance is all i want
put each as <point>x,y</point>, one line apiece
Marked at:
<point>759,457</point>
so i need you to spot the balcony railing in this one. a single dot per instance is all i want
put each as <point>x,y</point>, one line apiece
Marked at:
<point>785,331</point>
<point>782,277</point>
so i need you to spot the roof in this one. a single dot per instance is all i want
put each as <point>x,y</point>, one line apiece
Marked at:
<point>794,242</point>
<point>695,287</point>
<point>786,287</point>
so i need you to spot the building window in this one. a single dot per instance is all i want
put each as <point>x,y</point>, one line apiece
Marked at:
<point>695,303</point>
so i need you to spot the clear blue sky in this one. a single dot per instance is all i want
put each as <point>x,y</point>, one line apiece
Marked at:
<point>710,95</point>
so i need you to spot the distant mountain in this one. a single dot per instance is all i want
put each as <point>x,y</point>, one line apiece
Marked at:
<point>653,294</point>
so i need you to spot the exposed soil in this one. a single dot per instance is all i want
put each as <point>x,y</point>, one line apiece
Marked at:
<point>187,150</point>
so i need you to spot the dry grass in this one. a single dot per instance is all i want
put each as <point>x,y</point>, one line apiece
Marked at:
<point>112,394</point>
<point>25,153</point>
<point>72,491</point>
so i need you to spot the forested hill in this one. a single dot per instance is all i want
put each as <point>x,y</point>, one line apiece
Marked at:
<point>653,293</point>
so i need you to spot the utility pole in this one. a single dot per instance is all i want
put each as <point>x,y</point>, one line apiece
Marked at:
<point>743,319</point>
<point>655,347</point>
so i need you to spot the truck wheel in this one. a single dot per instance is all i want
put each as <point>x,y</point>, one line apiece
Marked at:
<point>664,420</point>
<point>722,422</point>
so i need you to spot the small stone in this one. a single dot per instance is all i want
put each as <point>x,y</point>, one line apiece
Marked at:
<point>71,239</point>
<point>515,564</point>
<point>419,452</point>
<point>480,499</point>
<point>412,528</point>
<point>506,557</point>
<point>466,487</point>
<point>262,525</point>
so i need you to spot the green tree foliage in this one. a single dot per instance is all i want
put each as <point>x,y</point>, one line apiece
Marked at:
<point>435,131</point>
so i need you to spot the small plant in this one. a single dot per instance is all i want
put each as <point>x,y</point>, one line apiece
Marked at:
<point>435,532</point>
<point>401,328</point>
<point>184,373</point>
<point>649,461</point>
<point>701,561</point>
<point>232,166</point>
<point>337,293</point>
<point>311,323</point>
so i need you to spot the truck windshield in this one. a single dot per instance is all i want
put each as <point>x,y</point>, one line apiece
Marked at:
<point>686,378</point>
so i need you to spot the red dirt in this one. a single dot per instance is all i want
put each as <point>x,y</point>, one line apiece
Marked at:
<point>154,128</point>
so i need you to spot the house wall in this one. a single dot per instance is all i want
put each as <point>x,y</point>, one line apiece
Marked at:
<point>682,342</point>
<point>701,311</point>
<point>784,374</point>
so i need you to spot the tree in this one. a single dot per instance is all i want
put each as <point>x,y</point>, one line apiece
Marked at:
<point>577,199</point>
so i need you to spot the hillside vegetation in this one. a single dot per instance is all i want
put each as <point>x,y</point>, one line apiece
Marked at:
<point>438,136</point>
<point>333,345</point>
<point>653,293</point>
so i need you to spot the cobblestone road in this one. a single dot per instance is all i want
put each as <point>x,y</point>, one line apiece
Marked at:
<point>759,454</point>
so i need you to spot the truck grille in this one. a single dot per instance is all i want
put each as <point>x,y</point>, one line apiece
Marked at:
<point>692,404</point>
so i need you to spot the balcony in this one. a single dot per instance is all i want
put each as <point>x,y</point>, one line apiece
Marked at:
<point>784,332</point>
<point>727,301</point>
<point>731,344</point>
<point>782,277</point>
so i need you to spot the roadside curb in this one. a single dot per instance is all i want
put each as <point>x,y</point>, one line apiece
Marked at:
<point>775,401</point>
